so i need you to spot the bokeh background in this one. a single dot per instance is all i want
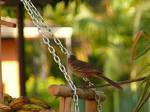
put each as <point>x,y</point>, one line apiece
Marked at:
<point>103,34</point>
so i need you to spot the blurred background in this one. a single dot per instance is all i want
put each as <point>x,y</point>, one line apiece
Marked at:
<point>98,31</point>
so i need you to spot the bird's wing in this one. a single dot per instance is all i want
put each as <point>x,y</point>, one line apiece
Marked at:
<point>81,66</point>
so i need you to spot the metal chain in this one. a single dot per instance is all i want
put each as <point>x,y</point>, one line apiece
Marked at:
<point>63,70</point>
<point>39,22</point>
<point>97,97</point>
<point>45,31</point>
<point>99,104</point>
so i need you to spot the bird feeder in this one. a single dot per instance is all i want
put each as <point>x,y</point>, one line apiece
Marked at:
<point>65,95</point>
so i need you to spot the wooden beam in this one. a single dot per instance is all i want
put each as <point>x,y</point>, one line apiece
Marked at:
<point>22,74</point>
<point>63,91</point>
<point>6,23</point>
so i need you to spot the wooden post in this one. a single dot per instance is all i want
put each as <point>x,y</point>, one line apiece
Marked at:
<point>65,104</point>
<point>90,106</point>
<point>22,75</point>
<point>61,104</point>
<point>8,24</point>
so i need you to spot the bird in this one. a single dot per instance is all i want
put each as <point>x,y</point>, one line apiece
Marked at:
<point>85,70</point>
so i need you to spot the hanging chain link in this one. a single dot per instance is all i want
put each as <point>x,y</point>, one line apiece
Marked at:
<point>99,104</point>
<point>40,23</point>
<point>46,32</point>
<point>97,96</point>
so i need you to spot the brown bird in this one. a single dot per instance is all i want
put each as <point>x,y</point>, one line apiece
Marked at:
<point>85,70</point>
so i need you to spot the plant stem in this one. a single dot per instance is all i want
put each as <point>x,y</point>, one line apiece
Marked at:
<point>120,83</point>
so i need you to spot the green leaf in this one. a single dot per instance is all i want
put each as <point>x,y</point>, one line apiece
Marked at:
<point>143,52</point>
<point>144,96</point>
<point>144,101</point>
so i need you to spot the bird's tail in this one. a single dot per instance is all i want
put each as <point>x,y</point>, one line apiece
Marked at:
<point>114,84</point>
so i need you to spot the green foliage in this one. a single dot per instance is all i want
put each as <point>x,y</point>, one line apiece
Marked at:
<point>109,28</point>
<point>33,59</point>
<point>142,58</point>
<point>8,11</point>
<point>42,89</point>
<point>144,96</point>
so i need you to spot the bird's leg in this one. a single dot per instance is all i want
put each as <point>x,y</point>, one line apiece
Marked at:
<point>85,79</point>
<point>87,82</point>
